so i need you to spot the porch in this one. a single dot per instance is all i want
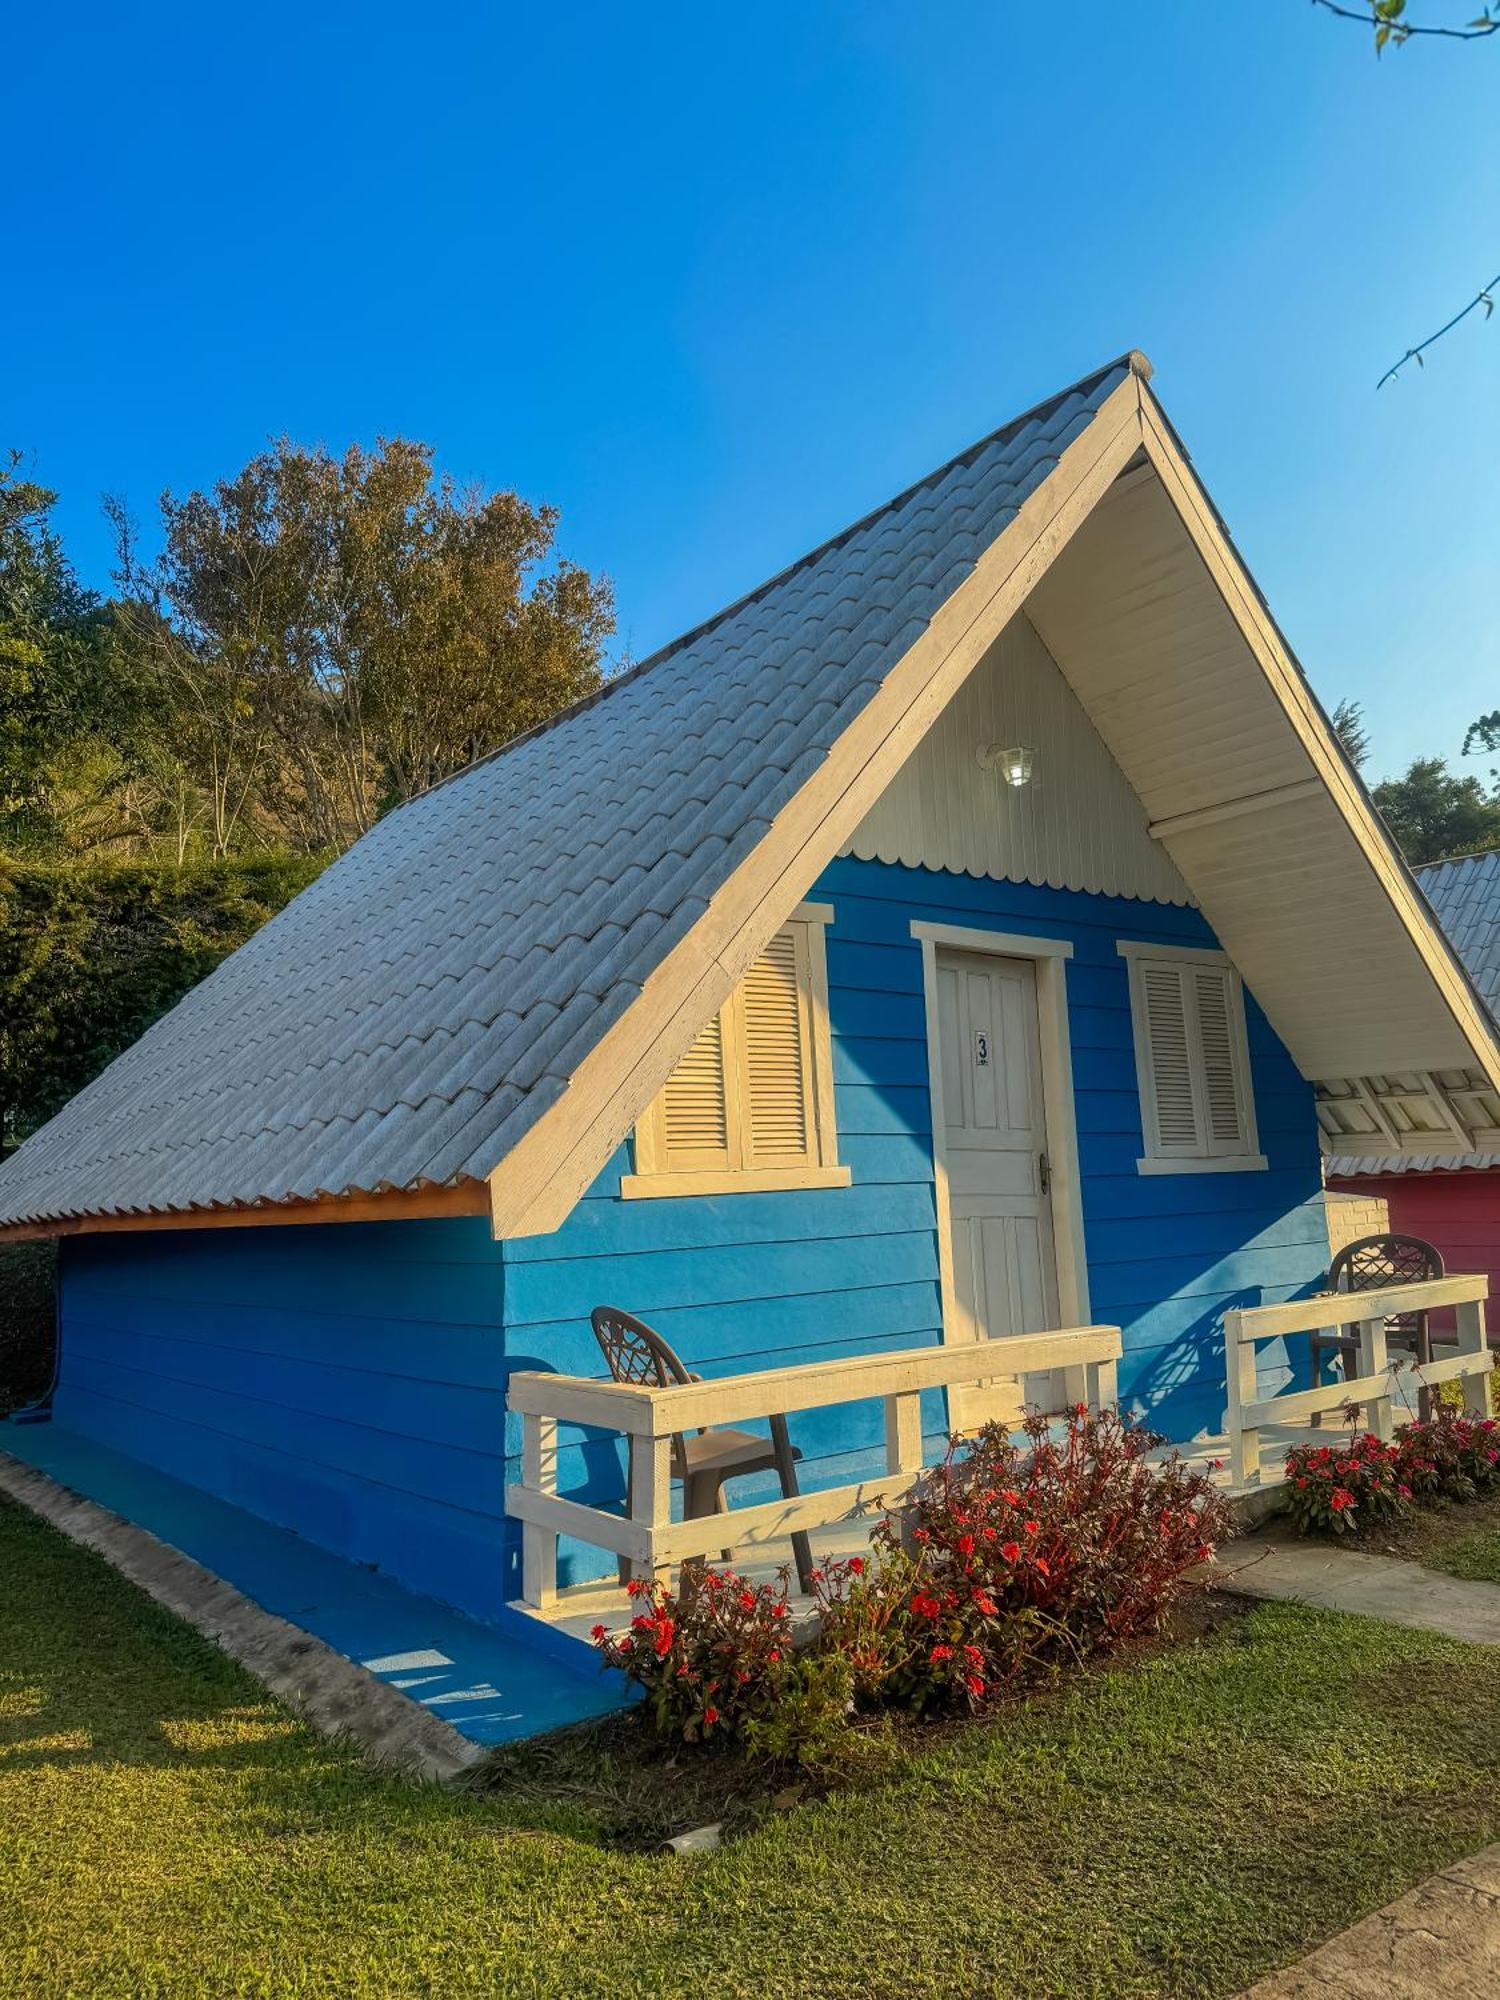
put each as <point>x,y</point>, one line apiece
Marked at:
<point>1247,1459</point>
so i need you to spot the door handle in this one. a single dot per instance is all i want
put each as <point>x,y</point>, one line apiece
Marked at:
<point>1043,1172</point>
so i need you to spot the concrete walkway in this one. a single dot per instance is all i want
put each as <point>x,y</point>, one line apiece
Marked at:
<point>1441,1938</point>
<point>1337,1579</point>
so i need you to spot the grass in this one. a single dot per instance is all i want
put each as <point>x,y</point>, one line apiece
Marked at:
<point>1175,1825</point>
<point>1472,1553</point>
<point>1460,1538</point>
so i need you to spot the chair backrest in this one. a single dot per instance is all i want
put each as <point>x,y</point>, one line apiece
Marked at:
<point>1374,1262</point>
<point>635,1352</point>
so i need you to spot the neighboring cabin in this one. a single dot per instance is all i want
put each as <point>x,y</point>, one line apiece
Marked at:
<point>1440,1179</point>
<point>752,995</point>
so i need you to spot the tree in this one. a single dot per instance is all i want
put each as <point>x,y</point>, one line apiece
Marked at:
<point>1349,726</point>
<point>338,633</point>
<point>53,667</point>
<point>1388,22</point>
<point>1432,814</point>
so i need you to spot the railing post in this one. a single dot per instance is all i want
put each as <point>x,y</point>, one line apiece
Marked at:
<point>538,1544</point>
<point>1469,1321</point>
<point>650,1489</point>
<point>903,1435</point>
<point>1374,1362</point>
<point>1239,1380</point>
<point>1101,1391</point>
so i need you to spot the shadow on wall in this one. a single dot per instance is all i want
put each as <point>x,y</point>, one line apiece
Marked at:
<point>1180,1389</point>
<point>28,1321</point>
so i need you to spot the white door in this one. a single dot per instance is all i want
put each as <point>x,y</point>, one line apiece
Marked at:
<point>995,1146</point>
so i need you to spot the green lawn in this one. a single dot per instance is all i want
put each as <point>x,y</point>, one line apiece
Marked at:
<point>1172,1827</point>
<point>1475,1555</point>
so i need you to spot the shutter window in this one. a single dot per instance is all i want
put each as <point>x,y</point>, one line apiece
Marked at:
<point>695,1106</point>
<point>1191,1060</point>
<point>751,1103</point>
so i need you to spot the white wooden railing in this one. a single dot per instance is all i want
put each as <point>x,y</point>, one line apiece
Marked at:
<point>1375,1385</point>
<point>649,1539</point>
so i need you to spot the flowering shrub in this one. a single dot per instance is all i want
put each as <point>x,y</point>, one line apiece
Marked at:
<point>918,1633</point>
<point>1341,1488</point>
<point>1006,1559</point>
<point>1451,1456</point>
<point>1053,1550</point>
<point>708,1659</point>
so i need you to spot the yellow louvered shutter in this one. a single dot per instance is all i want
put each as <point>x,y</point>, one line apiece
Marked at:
<point>775,1058</point>
<point>694,1108</point>
<point>751,1103</point>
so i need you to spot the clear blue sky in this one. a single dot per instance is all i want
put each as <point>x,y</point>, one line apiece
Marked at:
<point>718,279</point>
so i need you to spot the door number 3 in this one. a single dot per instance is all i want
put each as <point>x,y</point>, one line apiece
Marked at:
<point>981,1049</point>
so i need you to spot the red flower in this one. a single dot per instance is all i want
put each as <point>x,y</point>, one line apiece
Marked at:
<point>1011,1551</point>
<point>597,1632</point>
<point>974,1684</point>
<point>1032,1527</point>
<point>747,1598</point>
<point>856,1565</point>
<point>710,1716</point>
<point>941,1653</point>
<point>925,1606</point>
<point>1011,1497</point>
<point>664,1630</point>
<point>1340,1498</point>
<point>1041,1565</point>
<point>965,1545</point>
<point>984,1603</point>
<point>973,1654</point>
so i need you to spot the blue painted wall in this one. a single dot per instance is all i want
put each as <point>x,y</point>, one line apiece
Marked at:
<point>349,1381</point>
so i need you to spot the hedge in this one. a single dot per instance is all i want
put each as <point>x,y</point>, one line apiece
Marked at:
<point>90,956</point>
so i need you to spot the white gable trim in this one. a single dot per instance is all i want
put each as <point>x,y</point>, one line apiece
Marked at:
<point>535,1188</point>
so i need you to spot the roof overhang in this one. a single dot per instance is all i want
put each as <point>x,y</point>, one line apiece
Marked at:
<point>1124,566</point>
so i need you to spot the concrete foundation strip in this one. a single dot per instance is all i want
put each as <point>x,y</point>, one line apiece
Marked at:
<point>331,1693</point>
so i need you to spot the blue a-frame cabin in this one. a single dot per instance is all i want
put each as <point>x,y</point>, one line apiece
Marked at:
<point>966,933</point>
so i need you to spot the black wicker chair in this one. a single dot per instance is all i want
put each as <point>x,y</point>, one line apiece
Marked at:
<point>1371,1265</point>
<point>703,1460</point>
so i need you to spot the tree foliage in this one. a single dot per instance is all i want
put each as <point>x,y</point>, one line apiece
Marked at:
<point>312,641</point>
<point>56,685</point>
<point>1349,726</point>
<point>91,956</point>
<point>1432,814</point>
<point>333,635</point>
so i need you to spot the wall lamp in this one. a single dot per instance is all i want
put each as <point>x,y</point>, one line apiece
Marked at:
<point>1014,764</point>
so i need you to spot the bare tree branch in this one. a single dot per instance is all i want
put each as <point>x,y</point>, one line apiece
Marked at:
<point>1484,297</point>
<point>1386,18</point>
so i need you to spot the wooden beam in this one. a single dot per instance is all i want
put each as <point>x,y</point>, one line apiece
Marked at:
<point>1447,1110</point>
<point>1251,802</point>
<point>466,1197</point>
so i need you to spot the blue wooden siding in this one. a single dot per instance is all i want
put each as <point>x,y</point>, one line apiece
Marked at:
<point>349,1381</point>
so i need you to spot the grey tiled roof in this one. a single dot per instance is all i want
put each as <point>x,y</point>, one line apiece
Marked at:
<point>409,1016</point>
<point>1465,895</point>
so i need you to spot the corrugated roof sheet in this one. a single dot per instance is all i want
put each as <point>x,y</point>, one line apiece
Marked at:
<point>410,1015</point>
<point>1465,895</point>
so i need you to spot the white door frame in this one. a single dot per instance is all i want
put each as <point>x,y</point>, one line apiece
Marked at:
<point>1049,957</point>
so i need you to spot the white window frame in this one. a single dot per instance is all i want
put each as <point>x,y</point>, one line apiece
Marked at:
<point>652,1180</point>
<point>1138,953</point>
